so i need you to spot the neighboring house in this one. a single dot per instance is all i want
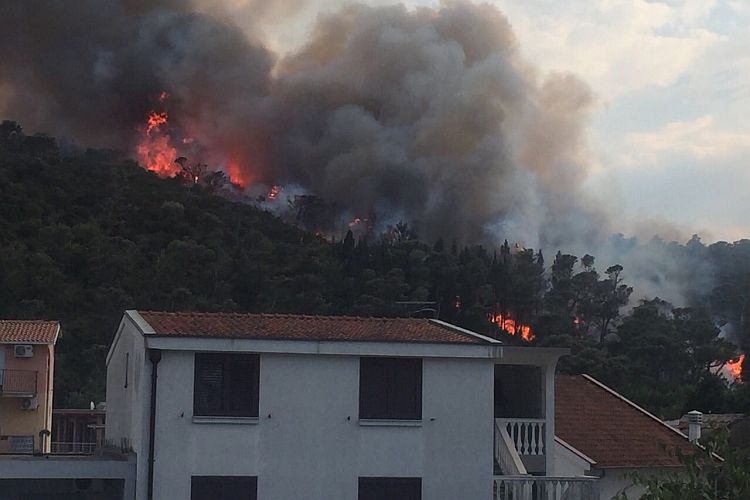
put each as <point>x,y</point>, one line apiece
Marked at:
<point>27,364</point>
<point>601,433</point>
<point>275,407</point>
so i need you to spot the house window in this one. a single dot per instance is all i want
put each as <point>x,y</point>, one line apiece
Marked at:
<point>223,488</point>
<point>390,388</point>
<point>226,385</point>
<point>390,488</point>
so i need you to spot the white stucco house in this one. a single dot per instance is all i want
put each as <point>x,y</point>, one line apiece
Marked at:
<point>277,407</point>
<point>601,433</point>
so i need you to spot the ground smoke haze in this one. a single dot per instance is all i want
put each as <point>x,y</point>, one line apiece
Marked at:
<point>428,115</point>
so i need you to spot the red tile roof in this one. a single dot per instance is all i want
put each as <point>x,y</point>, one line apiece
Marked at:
<point>298,327</point>
<point>28,331</point>
<point>612,431</point>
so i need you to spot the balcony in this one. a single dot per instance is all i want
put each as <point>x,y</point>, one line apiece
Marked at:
<point>61,448</point>
<point>18,383</point>
<point>517,443</point>
<point>545,488</point>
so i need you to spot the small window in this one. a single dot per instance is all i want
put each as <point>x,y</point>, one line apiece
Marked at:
<point>390,488</point>
<point>226,385</point>
<point>127,366</point>
<point>390,388</point>
<point>223,488</point>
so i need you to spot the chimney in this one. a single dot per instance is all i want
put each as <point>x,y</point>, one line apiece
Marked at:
<point>695,419</point>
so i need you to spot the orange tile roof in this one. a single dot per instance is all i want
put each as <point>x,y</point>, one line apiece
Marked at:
<point>612,431</point>
<point>28,331</point>
<point>299,327</point>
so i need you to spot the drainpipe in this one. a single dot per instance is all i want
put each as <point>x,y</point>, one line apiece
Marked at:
<point>155,356</point>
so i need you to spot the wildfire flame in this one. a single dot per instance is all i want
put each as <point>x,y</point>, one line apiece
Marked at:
<point>512,327</point>
<point>273,193</point>
<point>236,175</point>
<point>154,150</point>
<point>734,367</point>
<point>154,121</point>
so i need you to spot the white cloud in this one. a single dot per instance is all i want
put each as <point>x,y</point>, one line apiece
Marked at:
<point>617,46</point>
<point>701,139</point>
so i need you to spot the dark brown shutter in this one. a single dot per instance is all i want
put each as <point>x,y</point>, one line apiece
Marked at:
<point>242,372</point>
<point>209,388</point>
<point>390,488</point>
<point>223,488</point>
<point>373,388</point>
<point>390,388</point>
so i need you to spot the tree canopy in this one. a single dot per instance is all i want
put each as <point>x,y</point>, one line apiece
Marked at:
<point>85,235</point>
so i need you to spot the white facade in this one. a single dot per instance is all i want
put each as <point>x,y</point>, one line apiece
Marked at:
<point>308,441</point>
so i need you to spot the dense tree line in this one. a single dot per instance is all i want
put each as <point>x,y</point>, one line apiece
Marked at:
<point>87,234</point>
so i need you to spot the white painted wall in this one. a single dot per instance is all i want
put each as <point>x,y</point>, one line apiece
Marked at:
<point>127,407</point>
<point>569,464</point>
<point>313,446</point>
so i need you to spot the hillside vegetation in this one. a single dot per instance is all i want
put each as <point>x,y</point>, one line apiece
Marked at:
<point>87,234</point>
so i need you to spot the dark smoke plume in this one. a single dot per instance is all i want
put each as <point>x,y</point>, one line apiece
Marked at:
<point>427,115</point>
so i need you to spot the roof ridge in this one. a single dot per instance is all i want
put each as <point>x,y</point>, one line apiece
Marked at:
<point>347,317</point>
<point>29,321</point>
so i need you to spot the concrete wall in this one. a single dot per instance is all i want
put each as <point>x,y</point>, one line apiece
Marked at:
<point>309,443</point>
<point>50,477</point>
<point>17,422</point>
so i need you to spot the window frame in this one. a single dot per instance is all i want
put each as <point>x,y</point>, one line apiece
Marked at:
<point>389,368</point>
<point>228,388</point>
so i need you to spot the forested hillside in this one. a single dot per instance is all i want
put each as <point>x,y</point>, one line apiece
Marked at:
<point>85,235</point>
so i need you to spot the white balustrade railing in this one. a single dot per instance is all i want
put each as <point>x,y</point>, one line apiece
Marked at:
<point>526,433</point>
<point>505,453</point>
<point>545,488</point>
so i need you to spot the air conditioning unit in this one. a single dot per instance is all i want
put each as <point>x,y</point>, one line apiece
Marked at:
<point>29,404</point>
<point>23,350</point>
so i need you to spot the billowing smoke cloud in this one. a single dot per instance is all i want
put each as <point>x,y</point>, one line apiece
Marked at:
<point>427,115</point>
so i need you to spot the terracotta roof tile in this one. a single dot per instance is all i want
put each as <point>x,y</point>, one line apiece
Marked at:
<point>610,430</point>
<point>299,327</point>
<point>28,331</point>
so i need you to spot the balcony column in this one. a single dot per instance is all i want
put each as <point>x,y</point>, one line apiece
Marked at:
<point>549,417</point>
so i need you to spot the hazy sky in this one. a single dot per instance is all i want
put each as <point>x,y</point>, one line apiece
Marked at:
<point>671,133</point>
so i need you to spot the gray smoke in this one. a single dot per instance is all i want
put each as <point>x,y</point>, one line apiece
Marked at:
<point>428,115</point>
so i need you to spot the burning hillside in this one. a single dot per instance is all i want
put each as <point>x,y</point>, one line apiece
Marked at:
<point>430,116</point>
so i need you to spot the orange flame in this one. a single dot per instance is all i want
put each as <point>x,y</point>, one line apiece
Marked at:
<point>236,176</point>
<point>273,193</point>
<point>154,149</point>
<point>512,327</point>
<point>154,121</point>
<point>734,367</point>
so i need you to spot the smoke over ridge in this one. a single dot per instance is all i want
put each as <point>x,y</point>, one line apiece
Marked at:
<point>426,115</point>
